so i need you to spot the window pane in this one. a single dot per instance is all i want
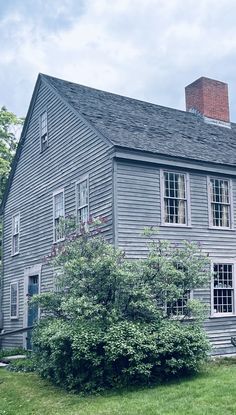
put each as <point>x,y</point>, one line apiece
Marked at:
<point>59,229</point>
<point>83,193</point>
<point>83,215</point>
<point>15,244</point>
<point>59,205</point>
<point>43,124</point>
<point>175,211</point>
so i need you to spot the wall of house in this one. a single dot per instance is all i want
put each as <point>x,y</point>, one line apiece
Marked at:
<point>138,205</point>
<point>74,150</point>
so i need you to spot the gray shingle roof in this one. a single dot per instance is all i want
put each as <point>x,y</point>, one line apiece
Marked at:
<point>140,125</point>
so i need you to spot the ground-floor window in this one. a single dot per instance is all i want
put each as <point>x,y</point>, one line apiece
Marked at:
<point>179,308</point>
<point>14,300</point>
<point>223,288</point>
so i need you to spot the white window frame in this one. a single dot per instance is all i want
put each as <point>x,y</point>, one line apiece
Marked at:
<point>15,317</point>
<point>78,207</point>
<point>180,316</point>
<point>41,132</point>
<point>55,193</point>
<point>187,198</point>
<point>231,208</point>
<point>223,261</point>
<point>16,215</point>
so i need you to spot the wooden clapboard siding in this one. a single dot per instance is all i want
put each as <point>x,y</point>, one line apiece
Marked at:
<point>139,206</point>
<point>74,150</point>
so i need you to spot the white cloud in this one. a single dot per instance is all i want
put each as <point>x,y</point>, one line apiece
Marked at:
<point>149,50</point>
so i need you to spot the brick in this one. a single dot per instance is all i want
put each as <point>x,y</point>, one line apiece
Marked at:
<point>208,97</point>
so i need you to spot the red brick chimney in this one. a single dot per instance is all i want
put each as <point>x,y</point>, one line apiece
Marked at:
<point>209,98</point>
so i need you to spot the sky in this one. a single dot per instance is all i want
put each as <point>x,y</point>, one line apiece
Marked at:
<point>145,49</point>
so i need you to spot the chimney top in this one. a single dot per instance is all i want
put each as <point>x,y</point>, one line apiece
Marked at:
<point>209,98</point>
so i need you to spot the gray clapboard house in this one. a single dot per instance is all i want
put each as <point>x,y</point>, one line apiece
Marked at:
<point>91,152</point>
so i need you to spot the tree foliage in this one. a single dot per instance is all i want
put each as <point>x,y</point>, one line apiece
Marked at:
<point>9,124</point>
<point>107,324</point>
<point>9,132</point>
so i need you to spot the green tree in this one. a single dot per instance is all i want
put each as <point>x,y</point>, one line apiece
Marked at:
<point>107,323</point>
<point>9,133</point>
<point>10,126</point>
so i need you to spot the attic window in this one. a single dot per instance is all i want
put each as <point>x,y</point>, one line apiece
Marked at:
<point>44,131</point>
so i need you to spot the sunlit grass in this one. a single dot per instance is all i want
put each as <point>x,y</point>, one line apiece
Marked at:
<point>212,392</point>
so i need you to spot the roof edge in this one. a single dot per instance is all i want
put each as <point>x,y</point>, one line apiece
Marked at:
<point>75,111</point>
<point>153,154</point>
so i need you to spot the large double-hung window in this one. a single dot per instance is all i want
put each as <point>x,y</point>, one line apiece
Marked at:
<point>174,198</point>
<point>223,288</point>
<point>220,203</point>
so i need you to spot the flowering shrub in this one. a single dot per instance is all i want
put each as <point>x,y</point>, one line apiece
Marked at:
<point>108,324</point>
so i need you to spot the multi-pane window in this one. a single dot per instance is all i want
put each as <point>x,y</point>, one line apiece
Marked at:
<point>82,189</point>
<point>14,300</point>
<point>175,198</point>
<point>44,130</point>
<point>223,288</point>
<point>58,216</point>
<point>220,203</point>
<point>16,234</point>
<point>179,307</point>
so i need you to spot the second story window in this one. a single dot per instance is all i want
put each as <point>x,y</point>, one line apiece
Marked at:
<point>220,215</point>
<point>82,201</point>
<point>58,216</point>
<point>16,234</point>
<point>44,130</point>
<point>174,198</point>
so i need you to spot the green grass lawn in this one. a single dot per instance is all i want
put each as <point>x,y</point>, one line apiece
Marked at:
<point>213,392</point>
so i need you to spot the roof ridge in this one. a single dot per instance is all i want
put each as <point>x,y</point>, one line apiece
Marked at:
<point>186,113</point>
<point>118,95</point>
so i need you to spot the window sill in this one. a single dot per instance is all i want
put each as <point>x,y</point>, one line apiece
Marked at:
<point>43,150</point>
<point>220,228</point>
<point>59,240</point>
<point>174,225</point>
<point>182,318</point>
<point>220,315</point>
<point>17,253</point>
